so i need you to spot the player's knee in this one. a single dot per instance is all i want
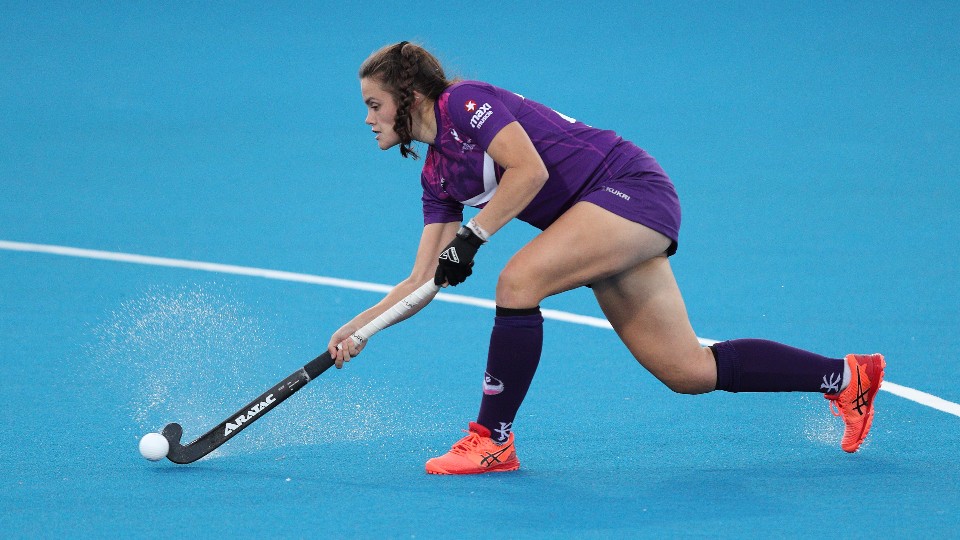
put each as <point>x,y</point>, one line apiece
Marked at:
<point>690,377</point>
<point>687,386</point>
<point>517,288</point>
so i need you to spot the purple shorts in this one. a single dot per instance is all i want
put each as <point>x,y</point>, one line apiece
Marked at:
<point>642,193</point>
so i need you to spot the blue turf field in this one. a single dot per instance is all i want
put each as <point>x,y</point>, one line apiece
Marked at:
<point>815,150</point>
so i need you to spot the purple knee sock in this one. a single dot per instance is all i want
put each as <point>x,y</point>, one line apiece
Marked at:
<point>515,346</point>
<point>756,365</point>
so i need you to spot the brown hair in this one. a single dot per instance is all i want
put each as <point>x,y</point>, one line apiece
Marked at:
<point>402,68</point>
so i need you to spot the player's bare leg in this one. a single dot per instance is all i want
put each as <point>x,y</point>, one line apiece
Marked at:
<point>646,309</point>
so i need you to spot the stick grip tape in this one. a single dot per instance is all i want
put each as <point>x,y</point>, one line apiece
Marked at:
<point>396,312</point>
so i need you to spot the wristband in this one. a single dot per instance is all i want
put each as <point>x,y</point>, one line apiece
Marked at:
<point>478,230</point>
<point>470,237</point>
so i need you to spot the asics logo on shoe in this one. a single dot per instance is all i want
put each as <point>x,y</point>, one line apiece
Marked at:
<point>451,255</point>
<point>491,385</point>
<point>860,402</point>
<point>492,458</point>
<point>831,386</point>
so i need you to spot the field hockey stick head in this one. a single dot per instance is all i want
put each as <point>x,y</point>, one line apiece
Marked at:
<point>173,433</point>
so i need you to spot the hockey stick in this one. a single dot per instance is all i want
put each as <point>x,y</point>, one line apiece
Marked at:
<point>211,440</point>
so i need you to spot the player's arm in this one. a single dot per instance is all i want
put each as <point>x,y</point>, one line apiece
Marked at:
<point>434,237</point>
<point>523,176</point>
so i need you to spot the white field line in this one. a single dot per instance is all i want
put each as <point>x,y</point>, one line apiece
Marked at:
<point>923,398</point>
<point>905,392</point>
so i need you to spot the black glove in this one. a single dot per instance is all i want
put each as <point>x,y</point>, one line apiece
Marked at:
<point>456,260</point>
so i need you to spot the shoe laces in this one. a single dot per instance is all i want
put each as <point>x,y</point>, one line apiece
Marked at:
<point>467,443</point>
<point>834,408</point>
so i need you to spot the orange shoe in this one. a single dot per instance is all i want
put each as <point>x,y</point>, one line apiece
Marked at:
<point>855,402</point>
<point>476,453</point>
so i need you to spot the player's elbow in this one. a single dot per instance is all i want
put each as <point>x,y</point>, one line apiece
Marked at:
<point>539,174</point>
<point>536,175</point>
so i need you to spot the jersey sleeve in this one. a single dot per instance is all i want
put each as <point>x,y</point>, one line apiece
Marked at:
<point>436,208</point>
<point>477,113</point>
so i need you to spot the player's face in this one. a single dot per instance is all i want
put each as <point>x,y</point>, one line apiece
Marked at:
<point>381,112</point>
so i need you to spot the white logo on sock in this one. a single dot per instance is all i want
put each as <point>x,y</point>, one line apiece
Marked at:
<point>832,386</point>
<point>491,385</point>
<point>504,431</point>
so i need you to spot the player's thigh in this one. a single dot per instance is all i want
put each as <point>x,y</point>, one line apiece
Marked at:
<point>586,244</point>
<point>645,307</point>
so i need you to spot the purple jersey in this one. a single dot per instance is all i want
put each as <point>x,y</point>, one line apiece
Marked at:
<point>580,159</point>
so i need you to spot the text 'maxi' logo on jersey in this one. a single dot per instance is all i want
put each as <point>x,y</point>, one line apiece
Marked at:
<point>480,116</point>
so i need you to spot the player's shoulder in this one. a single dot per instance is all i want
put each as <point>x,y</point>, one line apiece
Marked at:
<point>465,90</point>
<point>466,102</point>
<point>471,85</point>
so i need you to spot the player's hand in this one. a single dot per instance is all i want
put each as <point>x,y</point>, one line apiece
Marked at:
<point>342,347</point>
<point>456,260</point>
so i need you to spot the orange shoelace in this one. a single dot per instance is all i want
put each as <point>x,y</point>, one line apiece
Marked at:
<point>467,443</point>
